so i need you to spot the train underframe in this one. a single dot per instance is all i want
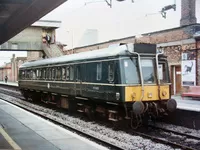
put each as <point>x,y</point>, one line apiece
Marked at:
<point>135,113</point>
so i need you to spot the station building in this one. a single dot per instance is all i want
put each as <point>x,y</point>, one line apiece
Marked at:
<point>180,44</point>
<point>32,40</point>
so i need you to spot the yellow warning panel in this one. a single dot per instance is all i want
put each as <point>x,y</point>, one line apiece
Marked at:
<point>6,141</point>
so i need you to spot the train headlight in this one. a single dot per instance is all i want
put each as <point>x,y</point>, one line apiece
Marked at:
<point>117,96</point>
<point>149,95</point>
<point>164,93</point>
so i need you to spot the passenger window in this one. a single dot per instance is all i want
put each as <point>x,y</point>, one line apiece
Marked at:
<point>37,74</point>
<point>44,74</point>
<point>50,74</point>
<point>71,73</point>
<point>34,74</point>
<point>67,72</point>
<point>58,73</point>
<point>53,74</point>
<point>40,74</point>
<point>63,73</point>
<point>78,71</point>
<point>99,71</point>
<point>111,72</point>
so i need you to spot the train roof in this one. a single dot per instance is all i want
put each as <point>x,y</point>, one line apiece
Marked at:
<point>116,50</point>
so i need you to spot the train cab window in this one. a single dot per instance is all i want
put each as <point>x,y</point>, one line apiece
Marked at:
<point>99,71</point>
<point>111,71</point>
<point>163,72</point>
<point>71,73</point>
<point>67,72</point>
<point>131,71</point>
<point>53,74</point>
<point>148,71</point>
<point>63,73</point>
<point>58,73</point>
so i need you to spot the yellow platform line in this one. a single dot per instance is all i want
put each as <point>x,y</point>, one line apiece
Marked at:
<point>9,140</point>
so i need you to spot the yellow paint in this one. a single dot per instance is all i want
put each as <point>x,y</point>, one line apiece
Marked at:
<point>134,93</point>
<point>9,140</point>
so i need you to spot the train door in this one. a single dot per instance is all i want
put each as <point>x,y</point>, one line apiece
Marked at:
<point>78,80</point>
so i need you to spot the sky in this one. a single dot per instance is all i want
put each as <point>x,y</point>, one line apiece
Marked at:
<point>124,19</point>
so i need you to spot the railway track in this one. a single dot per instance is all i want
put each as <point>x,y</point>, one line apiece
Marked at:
<point>170,137</point>
<point>178,143</point>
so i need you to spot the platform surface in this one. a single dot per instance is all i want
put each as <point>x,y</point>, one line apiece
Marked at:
<point>31,132</point>
<point>9,83</point>
<point>187,103</point>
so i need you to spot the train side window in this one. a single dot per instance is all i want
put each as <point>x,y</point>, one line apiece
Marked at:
<point>34,75</point>
<point>78,73</point>
<point>43,74</point>
<point>58,73</point>
<point>50,74</point>
<point>71,73</point>
<point>53,74</point>
<point>67,73</point>
<point>40,74</point>
<point>47,73</point>
<point>111,71</point>
<point>63,73</point>
<point>99,71</point>
<point>37,73</point>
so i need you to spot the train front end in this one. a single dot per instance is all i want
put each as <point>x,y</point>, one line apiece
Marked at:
<point>148,87</point>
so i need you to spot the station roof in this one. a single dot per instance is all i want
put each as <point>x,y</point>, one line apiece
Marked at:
<point>16,15</point>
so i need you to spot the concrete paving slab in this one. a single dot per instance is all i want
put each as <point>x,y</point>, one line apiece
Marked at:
<point>71,144</point>
<point>53,134</point>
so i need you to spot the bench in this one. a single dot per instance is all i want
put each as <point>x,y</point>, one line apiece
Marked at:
<point>193,91</point>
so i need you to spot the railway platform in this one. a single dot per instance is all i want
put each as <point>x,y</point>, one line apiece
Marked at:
<point>187,103</point>
<point>9,83</point>
<point>26,131</point>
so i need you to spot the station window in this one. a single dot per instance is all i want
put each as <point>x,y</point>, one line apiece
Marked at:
<point>99,71</point>
<point>111,71</point>
<point>71,73</point>
<point>63,73</point>
<point>67,72</point>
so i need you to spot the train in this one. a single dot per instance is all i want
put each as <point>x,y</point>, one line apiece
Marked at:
<point>126,81</point>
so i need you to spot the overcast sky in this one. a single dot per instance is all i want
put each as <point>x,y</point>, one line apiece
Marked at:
<point>122,20</point>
